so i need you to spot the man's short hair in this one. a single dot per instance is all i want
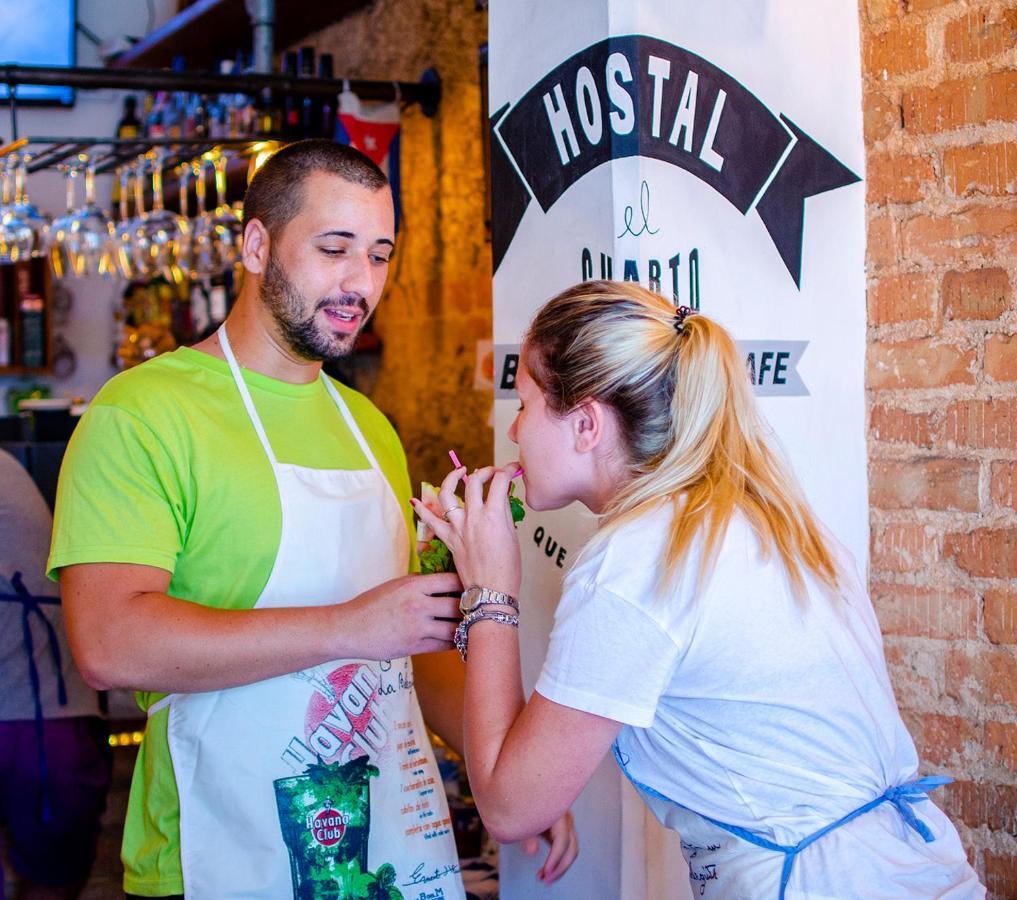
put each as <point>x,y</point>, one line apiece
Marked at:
<point>276,193</point>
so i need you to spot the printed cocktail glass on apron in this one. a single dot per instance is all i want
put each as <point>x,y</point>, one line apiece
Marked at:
<point>320,784</point>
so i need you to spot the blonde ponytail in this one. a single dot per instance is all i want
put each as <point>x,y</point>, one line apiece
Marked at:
<point>688,417</point>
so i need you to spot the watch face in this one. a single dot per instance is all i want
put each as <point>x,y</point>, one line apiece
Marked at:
<point>469,599</point>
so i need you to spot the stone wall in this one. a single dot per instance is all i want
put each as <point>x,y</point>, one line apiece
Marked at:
<point>940,105</point>
<point>437,305</point>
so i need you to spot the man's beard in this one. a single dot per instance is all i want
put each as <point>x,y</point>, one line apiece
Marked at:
<point>303,335</point>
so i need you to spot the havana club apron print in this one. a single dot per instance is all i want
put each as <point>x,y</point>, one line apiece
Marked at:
<point>319,785</point>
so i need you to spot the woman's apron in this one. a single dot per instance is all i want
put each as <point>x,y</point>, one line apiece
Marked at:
<point>29,605</point>
<point>319,784</point>
<point>725,860</point>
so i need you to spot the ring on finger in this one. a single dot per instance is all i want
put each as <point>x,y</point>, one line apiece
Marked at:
<point>444,515</point>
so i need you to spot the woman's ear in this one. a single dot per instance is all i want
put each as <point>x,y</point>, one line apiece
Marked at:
<point>589,425</point>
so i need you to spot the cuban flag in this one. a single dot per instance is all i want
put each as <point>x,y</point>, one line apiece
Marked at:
<point>373,128</point>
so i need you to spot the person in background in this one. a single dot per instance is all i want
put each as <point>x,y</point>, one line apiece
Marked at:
<point>55,758</point>
<point>712,634</point>
<point>232,538</point>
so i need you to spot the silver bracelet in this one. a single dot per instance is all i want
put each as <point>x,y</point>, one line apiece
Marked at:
<point>462,632</point>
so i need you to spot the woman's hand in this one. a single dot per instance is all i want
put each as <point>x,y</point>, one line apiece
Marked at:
<point>563,848</point>
<point>480,533</point>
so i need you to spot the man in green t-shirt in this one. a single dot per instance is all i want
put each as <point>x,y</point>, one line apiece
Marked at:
<point>232,540</point>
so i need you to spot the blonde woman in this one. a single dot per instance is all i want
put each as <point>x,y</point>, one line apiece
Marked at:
<point>712,633</point>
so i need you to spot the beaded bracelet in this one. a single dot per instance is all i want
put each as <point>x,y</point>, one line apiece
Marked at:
<point>462,632</point>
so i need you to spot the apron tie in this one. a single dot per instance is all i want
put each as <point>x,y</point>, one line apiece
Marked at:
<point>902,796</point>
<point>29,605</point>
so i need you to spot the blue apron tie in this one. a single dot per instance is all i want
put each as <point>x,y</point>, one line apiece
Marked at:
<point>29,605</point>
<point>901,796</point>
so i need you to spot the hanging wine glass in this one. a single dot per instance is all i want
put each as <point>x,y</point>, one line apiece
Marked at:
<point>91,248</point>
<point>26,213</point>
<point>141,250</point>
<point>185,257</point>
<point>16,237</point>
<point>122,234</point>
<point>204,261</point>
<point>8,236</point>
<point>228,228</point>
<point>165,234</point>
<point>61,248</point>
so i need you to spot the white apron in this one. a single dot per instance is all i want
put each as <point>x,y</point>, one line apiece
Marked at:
<point>727,861</point>
<point>320,784</point>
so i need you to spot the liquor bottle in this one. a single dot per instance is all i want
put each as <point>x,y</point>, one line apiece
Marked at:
<point>291,108</point>
<point>129,126</point>
<point>310,107</point>
<point>33,332</point>
<point>326,127</point>
<point>154,125</point>
<point>5,343</point>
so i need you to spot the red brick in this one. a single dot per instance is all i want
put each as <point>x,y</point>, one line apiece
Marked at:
<point>1001,743</point>
<point>1003,485</point>
<point>894,178</point>
<point>915,672</point>
<point>1001,874</point>
<point>902,298</point>
<point>1001,616</point>
<point>981,169</point>
<point>955,237</point>
<point>897,426</point>
<point>975,805</point>
<point>985,675</point>
<point>903,547</point>
<point>944,484</point>
<point>978,36</point>
<point>977,294</point>
<point>974,100</point>
<point>919,364</point>
<point>913,611</point>
<point>980,424</point>
<point>899,50</point>
<point>1001,357</point>
<point>984,552</point>
<point>941,740</point>
<point>883,243</point>
<point>880,116</point>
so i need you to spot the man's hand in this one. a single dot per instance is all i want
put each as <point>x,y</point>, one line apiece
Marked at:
<point>563,848</point>
<point>404,616</point>
<point>125,631</point>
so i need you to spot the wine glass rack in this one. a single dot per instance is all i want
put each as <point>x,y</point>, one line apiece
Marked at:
<point>109,153</point>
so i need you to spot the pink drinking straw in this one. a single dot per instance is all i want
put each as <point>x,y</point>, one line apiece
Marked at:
<point>455,459</point>
<point>518,472</point>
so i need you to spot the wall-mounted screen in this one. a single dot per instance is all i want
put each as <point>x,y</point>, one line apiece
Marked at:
<point>37,33</point>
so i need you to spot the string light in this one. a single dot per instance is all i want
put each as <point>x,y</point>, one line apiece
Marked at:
<point>126,738</point>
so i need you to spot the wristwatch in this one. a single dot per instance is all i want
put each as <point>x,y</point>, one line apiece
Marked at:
<point>474,597</point>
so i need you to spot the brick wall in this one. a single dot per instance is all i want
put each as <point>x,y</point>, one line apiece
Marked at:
<point>940,112</point>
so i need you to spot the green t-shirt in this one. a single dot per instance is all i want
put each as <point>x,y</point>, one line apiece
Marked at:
<point>165,469</point>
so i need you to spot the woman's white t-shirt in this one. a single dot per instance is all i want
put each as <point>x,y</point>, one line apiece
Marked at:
<point>738,701</point>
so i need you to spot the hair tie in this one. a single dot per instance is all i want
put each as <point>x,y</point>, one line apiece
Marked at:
<point>680,315</point>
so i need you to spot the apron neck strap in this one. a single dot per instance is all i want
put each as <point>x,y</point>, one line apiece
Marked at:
<point>245,395</point>
<point>252,413</point>
<point>350,421</point>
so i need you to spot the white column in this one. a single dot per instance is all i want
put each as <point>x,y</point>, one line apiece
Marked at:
<point>715,157</point>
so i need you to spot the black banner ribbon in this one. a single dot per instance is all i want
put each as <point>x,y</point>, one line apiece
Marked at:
<point>641,96</point>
